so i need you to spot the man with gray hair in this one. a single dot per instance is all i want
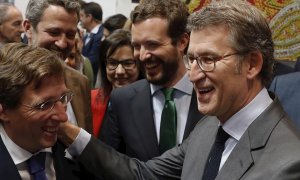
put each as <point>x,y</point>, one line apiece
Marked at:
<point>246,133</point>
<point>52,24</point>
<point>10,24</point>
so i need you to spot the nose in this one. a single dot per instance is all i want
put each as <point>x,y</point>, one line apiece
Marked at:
<point>59,112</point>
<point>62,41</point>
<point>21,29</point>
<point>120,69</point>
<point>195,73</point>
<point>144,54</point>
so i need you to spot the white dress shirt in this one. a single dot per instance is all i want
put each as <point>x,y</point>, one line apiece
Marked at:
<point>236,125</point>
<point>20,156</point>
<point>89,34</point>
<point>182,98</point>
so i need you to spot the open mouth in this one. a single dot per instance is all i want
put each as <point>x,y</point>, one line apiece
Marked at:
<point>151,64</point>
<point>205,90</point>
<point>50,130</point>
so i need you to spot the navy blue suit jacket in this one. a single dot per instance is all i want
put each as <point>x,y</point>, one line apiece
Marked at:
<point>64,168</point>
<point>287,88</point>
<point>129,124</point>
<point>91,49</point>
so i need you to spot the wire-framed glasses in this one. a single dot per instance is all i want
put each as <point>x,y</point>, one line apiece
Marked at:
<point>49,104</point>
<point>206,63</point>
<point>128,64</point>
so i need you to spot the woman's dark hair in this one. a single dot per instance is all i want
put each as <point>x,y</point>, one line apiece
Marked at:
<point>114,22</point>
<point>108,46</point>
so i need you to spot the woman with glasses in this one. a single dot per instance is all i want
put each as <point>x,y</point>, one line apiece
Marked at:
<point>117,68</point>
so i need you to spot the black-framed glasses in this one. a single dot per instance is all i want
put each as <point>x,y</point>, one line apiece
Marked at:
<point>112,64</point>
<point>49,104</point>
<point>206,63</point>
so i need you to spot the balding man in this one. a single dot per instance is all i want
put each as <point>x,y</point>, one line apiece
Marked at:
<point>10,24</point>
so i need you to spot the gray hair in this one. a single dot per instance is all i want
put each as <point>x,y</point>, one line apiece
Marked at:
<point>35,9</point>
<point>3,11</point>
<point>249,29</point>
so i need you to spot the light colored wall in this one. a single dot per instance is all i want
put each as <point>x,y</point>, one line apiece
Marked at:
<point>109,7</point>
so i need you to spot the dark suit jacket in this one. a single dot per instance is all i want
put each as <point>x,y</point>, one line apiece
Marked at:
<point>91,49</point>
<point>81,102</point>
<point>297,65</point>
<point>129,125</point>
<point>64,168</point>
<point>269,149</point>
<point>287,88</point>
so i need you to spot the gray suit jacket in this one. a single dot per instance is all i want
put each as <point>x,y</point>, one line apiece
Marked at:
<point>269,149</point>
<point>129,126</point>
<point>287,88</point>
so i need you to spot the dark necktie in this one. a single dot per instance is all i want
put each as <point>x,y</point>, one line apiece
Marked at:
<point>36,166</point>
<point>215,155</point>
<point>168,125</point>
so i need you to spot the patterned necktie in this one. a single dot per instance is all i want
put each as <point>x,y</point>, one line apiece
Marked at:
<point>36,166</point>
<point>215,155</point>
<point>168,125</point>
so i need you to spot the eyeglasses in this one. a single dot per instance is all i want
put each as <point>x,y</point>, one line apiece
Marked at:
<point>49,105</point>
<point>206,63</point>
<point>127,64</point>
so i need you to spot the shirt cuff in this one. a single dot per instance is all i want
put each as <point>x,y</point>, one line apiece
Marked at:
<point>81,141</point>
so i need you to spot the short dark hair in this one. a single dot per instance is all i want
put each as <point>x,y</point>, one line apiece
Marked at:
<point>115,22</point>
<point>35,9</point>
<point>21,65</point>
<point>94,9</point>
<point>174,11</point>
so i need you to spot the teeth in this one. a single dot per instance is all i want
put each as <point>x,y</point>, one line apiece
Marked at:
<point>51,129</point>
<point>205,90</point>
<point>151,64</point>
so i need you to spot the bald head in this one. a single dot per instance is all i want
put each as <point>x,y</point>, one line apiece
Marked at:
<point>10,23</point>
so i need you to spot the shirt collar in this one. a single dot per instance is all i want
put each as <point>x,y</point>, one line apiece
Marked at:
<point>17,153</point>
<point>184,85</point>
<point>236,125</point>
<point>95,29</point>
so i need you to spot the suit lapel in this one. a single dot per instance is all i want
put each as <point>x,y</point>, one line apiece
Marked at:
<point>193,116</point>
<point>7,166</point>
<point>255,138</point>
<point>239,161</point>
<point>77,98</point>
<point>142,107</point>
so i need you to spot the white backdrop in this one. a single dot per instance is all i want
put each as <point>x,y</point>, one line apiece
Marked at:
<point>109,7</point>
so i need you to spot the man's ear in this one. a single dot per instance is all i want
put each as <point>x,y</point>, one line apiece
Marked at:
<point>183,42</point>
<point>27,28</point>
<point>255,62</point>
<point>3,115</point>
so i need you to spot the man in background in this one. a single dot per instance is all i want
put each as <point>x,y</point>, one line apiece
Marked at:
<point>246,133</point>
<point>10,24</point>
<point>53,25</point>
<point>137,123</point>
<point>90,20</point>
<point>33,101</point>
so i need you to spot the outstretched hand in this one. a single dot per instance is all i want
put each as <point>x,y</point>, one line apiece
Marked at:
<point>67,133</point>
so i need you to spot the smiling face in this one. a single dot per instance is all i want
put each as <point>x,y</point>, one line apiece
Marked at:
<point>11,29</point>
<point>32,129</point>
<point>56,30</point>
<point>161,60</point>
<point>120,76</point>
<point>230,86</point>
